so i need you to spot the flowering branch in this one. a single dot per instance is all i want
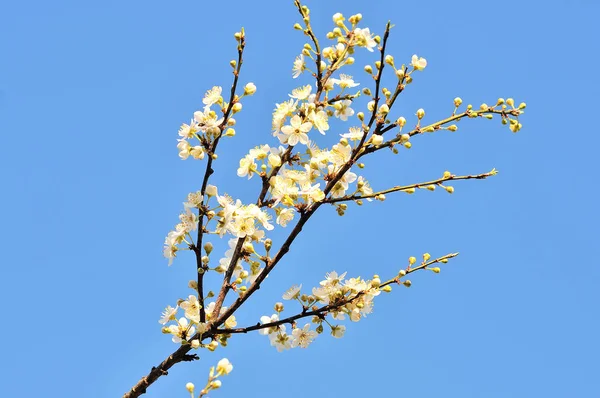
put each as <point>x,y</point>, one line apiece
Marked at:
<point>201,268</point>
<point>321,312</point>
<point>295,181</point>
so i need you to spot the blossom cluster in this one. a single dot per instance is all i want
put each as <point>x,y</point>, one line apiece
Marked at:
<point>341,297</point>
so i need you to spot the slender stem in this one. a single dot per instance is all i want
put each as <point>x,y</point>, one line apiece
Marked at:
<point>405,187</point>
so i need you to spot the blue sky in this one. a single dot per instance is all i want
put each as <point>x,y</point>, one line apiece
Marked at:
<point>91,97</point>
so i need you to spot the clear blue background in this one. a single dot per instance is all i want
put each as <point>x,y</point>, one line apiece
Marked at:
<point>91,96</point>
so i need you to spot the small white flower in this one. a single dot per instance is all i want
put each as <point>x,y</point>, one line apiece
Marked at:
<point>364,38</point>
<point>212,96</point>
<point>298,66</point>
<point>338,331</point>
<point>418,63</point>
<point>295,132</point>
<point>303,337</point>
<point>292,293</point>
<point>343,110</point>
<point>301,93</point>
<point>168,315</point>
<point>345,81</point>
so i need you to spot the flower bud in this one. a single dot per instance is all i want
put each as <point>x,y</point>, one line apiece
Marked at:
<point>190,387</point>
<point>457,101</point>
<point>426,257</point>
<point>522,105</point>
<point>278,307</point>
<point>389,60</point>
<point>400,73</point>
<point>236,107</point>
<point>454,127</point>
<point>384,109</point>
<point>249,89</point>
<point>233,63</point>
<point>407,283</point>
<point>360,116</point>
<point>215,384</point>
<point>195,344</point>
<point>449,189</point>
<point>368,69</point>
<point>401,121</point>
<point>447,174</point>
<point>268,244</point>
<point>409,190</point>
<point>436,270</point>
<point>230,132</point>
<point>386,288</point>
<point>420,113</point>
<point>431,187</point>
<point>377,139</point>
<point>412,260</point>
<point>402,273</point>
<point>510,102</point>
<point>297,26</point>
<point>378,64</point>
<point>338,18</point>
<point>407,145</point>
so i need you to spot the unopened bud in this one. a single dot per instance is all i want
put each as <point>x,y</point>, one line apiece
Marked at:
<point>369,69</point>
<point>454,127</point>
<point>190,387</point>
<point>420,113</point>
<point>449,189</point>
<point>236,107</point>
<point>426,256</point>
<point>278,307</point>
<point>436,270</point>
<point>386,288</point>
<point>250,89</point>
<point>407,283</point>
<point>457,101</point>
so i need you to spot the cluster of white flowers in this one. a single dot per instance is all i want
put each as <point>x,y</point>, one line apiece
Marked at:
<point>352,297</point>
<point>205,124</point>
<point>186,327</point>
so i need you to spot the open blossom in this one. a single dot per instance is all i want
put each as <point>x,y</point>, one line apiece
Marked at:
<point>418,63</point>
<point>320,121</point>
<point>364,38</point>
<point>281,340</point>
<point>285,216</point>
<point>338,331</point>
<point>168,315</point>
<point>194,199</point>
<point>355,134</point>
<point>364,188</point>
<point>188,131</point>
<point>292,293</point>
<point>181,331</point>
<point>299,66</point>
<point>208,121</point>
<point>301,93</point>
<point>295,132</point>
<point>212,96</point>
<point>345,81</point>
<point>191,306</point>
<point>266,319</point>
<point>247,167</point>
<point>303,337</point>
<point>343,110</point>
<point>281,112</point>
